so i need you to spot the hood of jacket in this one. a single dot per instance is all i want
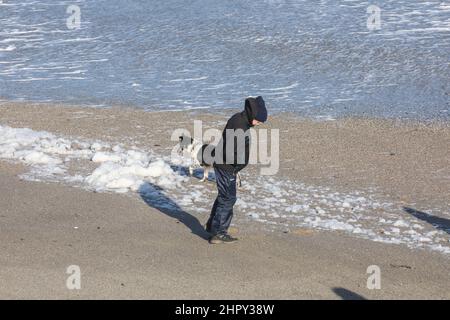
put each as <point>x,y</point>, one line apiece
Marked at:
<point>255,109</point>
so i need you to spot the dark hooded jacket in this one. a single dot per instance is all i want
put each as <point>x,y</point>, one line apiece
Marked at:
<point>254,109</point>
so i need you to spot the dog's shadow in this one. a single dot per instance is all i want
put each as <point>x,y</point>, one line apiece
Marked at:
<point>154,197</point>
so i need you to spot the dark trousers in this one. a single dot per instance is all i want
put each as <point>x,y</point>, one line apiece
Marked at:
<point>222,211</point>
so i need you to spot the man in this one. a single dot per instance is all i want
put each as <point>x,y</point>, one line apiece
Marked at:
<point>219,221</point>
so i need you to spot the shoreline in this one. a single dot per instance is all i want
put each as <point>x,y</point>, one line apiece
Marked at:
<point>438,122</point>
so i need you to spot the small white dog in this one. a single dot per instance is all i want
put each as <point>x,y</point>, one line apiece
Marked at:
<point>195,150</point>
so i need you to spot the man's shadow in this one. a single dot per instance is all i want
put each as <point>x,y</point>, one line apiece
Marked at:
<point>155,198</point>
<point>439,223</point>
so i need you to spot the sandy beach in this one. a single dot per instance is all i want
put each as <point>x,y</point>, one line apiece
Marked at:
<point>389,181</point>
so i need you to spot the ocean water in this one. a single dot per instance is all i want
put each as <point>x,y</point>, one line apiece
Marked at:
<point>316,58</point>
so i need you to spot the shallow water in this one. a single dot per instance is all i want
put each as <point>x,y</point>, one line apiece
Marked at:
<point>317,58</point>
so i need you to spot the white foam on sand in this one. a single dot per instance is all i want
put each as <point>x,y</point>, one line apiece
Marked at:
<point>276,203</point>
<point>119,170</point>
